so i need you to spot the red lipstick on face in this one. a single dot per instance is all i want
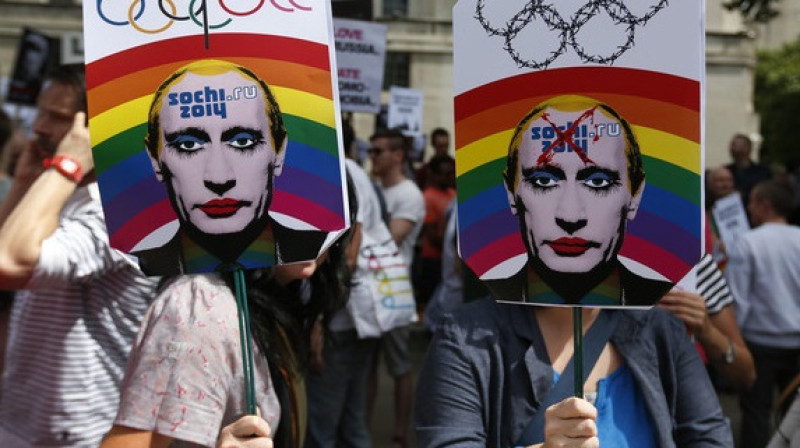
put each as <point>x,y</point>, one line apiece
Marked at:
<point>221,208</point>
<point>571,247</point>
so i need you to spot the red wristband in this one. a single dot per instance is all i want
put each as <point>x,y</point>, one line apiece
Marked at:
<point>68,166</point>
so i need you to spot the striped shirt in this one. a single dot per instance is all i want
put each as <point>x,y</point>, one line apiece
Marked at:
<point>70,333</point>
<point>712,286</point>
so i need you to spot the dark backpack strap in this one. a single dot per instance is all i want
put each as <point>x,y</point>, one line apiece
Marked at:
<point>382,201</point>
<point>593,343</point>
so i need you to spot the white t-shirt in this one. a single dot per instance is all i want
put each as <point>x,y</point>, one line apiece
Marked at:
<point>369,216</point>
<point>405,201</point>
<point>369,207</point>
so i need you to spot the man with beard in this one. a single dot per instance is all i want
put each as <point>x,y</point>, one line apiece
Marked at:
<point>574,177</point>
<point>216,140</point>
<point>80,302</point>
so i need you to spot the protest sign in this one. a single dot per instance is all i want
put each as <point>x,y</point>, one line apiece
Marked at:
<point>578,147</point>
<point>405,110</point>
<point>360,58</point>
<point>214,131</point>
<point>36,53</point>
<point>730,218</point>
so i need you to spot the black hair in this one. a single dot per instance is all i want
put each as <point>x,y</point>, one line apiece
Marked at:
<point>348,136</point>
<point>436,162</point>
<point>276,309</point>
<point>396,138</point>
<point>745,138</point>
<point>6,128</point>
<point>439,132</point>
<point>72,75</point>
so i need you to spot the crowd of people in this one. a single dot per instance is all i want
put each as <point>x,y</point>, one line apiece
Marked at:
<point>96,353</point>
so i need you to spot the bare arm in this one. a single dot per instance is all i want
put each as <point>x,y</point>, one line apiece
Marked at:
<point>742,372</point>
<point>36,199</point>
<point>249,431</point>
<point>714,332</point>
<point>125,437</point>
<point>400,228</point>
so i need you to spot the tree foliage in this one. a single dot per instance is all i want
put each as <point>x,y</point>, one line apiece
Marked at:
<point>777,101</point>
<point>757,10</point>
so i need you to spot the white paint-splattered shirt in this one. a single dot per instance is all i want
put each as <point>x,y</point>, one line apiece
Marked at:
<point>184,377</point>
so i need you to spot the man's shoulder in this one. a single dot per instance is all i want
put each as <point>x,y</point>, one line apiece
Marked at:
<point>412,191</point>
<point>364,186</point>
<point>771,234</point>
<point>761,170</point>
<point>405,197</point>
<point>356,170</point>
<point>406,186</point>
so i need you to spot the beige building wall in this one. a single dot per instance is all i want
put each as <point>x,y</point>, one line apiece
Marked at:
<point>782,29</point>
<point>730,64</point>
<point>426,33</point>
<point>14,15</point>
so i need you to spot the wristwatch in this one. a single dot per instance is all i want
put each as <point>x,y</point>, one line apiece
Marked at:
<point>66,165</point>
<point>729,356</point>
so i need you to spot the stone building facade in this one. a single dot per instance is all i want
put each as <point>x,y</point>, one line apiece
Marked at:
<point>420,56</point>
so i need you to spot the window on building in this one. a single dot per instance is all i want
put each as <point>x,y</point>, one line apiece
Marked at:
<point>353,9</point>
<point>397,71</point>
<point>395,8</point>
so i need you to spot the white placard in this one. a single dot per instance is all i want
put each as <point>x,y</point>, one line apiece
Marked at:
<point>548,33</point>
<point>360,58</point>
<point>730,218</point>
<point>405,110</point>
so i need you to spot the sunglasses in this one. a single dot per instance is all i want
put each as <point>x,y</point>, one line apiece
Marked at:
<point>376,151</point>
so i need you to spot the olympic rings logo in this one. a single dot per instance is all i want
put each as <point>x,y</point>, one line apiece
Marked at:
<point>567,30</point>
<point>197,12</point>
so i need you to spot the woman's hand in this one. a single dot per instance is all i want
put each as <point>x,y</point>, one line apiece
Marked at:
<point>570,423</point>
<point>250,431</point>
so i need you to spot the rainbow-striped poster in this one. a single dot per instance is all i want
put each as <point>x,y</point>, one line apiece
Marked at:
<point>214,130</point>
<point>562,111</point>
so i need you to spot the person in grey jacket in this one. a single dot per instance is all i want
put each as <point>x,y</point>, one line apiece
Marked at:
<point>490,365</point>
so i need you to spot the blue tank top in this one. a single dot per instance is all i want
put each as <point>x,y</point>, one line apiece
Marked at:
<point>623,420</point>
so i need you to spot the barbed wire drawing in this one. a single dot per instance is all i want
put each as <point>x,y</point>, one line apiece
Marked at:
<point>566,30</point>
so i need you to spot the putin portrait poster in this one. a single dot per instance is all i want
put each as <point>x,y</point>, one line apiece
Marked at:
<point>214,131</point>
<point>578,147</point>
